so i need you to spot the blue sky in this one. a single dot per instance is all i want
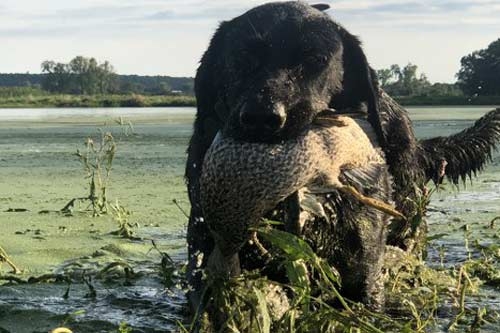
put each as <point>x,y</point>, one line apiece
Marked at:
<point>167,37</point>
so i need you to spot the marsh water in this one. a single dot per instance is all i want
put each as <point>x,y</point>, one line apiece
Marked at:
<point>40,172</point>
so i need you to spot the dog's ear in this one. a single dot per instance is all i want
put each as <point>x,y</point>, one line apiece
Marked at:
<point>321,6</point>
<point>360,83</point>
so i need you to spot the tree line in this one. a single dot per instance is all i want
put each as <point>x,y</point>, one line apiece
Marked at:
<point>81,76</point>
<point>405,81</point>
<point>479,75</point>
<point>86,76</point>
<point>480,71</point>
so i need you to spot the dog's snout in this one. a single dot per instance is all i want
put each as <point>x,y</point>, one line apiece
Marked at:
<point>269,120</point>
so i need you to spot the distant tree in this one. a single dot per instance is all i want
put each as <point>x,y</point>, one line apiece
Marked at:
<point>384,76</point>
<point>160,88</point>
<point>444,89</point>
<point>107,78</point>
<point>20,80</point>
<point>403,81</point>
<point>480,71</point>
<point>128,87</point>
<point>80,76</point>
<point>164,88</point>
<point>188,87</point>
<point>58,78</point>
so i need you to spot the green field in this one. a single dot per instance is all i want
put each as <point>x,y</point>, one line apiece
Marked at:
<point>38,171</point>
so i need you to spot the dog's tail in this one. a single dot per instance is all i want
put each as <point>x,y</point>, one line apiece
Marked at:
<point>458,156</point>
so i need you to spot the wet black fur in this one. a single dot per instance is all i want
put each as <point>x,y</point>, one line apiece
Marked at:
<point>466,152</point>
<point>293,55</point>
<point>288,53</point>
<point>413,163</point>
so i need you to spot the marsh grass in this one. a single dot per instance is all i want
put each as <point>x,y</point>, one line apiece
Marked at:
<point>252,303</point>
<point>121,216</point>
<point>419,298</point>
<point>17,92</point>
<point>36,99</point>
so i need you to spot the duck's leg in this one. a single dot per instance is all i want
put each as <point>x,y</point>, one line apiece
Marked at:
<point>377,204</point>
<point>263,251</point>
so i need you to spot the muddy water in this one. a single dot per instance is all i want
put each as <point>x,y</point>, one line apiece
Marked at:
<point>37,171</point>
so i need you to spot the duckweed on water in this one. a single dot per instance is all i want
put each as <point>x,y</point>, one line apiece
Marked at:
<point>39,172</point>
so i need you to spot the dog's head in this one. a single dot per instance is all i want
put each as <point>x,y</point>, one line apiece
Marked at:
<point>271,70</point>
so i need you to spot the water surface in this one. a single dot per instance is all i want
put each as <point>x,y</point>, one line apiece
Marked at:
<point>38,170</point>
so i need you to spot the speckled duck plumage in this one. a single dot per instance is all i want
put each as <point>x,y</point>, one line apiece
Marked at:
<point>241,181</point>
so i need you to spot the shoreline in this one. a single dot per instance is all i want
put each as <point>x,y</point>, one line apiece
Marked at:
<point>92,101</point>
<point>140,101</point>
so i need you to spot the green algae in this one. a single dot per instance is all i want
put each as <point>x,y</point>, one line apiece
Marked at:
<point>39,172</point>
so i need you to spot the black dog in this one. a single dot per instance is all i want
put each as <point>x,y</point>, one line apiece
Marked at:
<point>264,77</point>
<point>268,73</point>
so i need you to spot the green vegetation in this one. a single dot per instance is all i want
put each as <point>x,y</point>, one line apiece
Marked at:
<point>84,82</point>
<point>127,84</point>
<point>416,294</point>
<point>36,98</point>
<point>78,261</point>
<point>97,160</point>
<point>408,88</point>
<point>404,82</point>
<point>478,82</point>
<point>7,93</point>
<point>27,97</point>
<point>37,182</point>
<point>86,76</point>
<point>399,81</point>
<point>81,76</point>
<point>479,74</point>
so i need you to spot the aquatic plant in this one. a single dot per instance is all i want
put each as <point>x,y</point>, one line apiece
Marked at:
<point>97,161</point>
<point>310,302</point>
<point>124,328</point>
<point>4,257</point>
<point>120,215</point>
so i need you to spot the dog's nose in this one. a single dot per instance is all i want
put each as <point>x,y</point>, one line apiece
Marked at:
<point>269,120</point>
